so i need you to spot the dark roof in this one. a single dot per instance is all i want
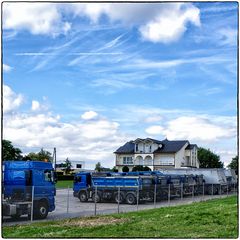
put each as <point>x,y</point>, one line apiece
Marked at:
<point>191,146</point>
<point>126,148</point>
<point>167,146</point>
<point>171,146</point>
<point>147,139</point>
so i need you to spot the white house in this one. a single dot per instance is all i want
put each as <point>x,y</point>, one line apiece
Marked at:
<point>157,154</point>
<point>77,166</point>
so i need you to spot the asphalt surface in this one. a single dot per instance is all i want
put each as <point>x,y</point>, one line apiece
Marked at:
<point>68,206</point>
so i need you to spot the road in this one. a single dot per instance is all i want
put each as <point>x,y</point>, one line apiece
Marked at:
<point>68,206</point>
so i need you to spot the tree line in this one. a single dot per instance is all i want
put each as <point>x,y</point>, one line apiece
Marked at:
<point>9,152</point>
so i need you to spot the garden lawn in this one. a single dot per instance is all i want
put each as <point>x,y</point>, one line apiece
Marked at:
<point>211,219</point>
<point>64,184</point>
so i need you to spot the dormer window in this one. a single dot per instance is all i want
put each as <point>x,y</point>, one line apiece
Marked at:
<point>136,147</point>
<point>150,148</point>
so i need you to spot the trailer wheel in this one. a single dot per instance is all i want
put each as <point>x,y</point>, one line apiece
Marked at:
<point>131,198</point>
<point>41,210</point>
<point>96,197</point>
<point>83,197</point>
<point>120,199</point>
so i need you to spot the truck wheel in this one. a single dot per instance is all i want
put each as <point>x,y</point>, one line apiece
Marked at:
<point>83,197</point>
<point>120,199</point>
<point>131,198</point>
<point>41,210</point>
<point>97,198</point>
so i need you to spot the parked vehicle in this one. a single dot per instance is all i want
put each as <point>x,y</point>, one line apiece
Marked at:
<point>106,188</point>
<point>21,181</point>
<point>215,181</point>
<point>231,178</point>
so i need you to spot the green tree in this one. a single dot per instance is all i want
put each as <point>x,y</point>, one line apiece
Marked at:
<point>40,156</point>
<point>125,169</point>
<point>98,167</point>
<point>208,159</point>
<point>234,164</point>
<point>31,156</point>
<point>68,166</point>
<point>114,169</point>
<point>9,152</point>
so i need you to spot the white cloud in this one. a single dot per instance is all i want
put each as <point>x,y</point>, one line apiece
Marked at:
<point>88,141</point>
<point>155,130</point>
<point>171,25</point>
<point>163,22</point>
<point>198,128</point>
<point>228,36</point>
<point>35,105</point>
<point>156,22</point>
<point>6,68</point>
<point>11,100</point>
<point>89,115</point>
<point>154,118</point>
<point>37,18</point>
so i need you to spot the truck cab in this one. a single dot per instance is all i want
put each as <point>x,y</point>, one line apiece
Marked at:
<point>27,182</point>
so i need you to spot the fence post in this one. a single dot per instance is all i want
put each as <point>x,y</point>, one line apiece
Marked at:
<point>118,197</point>
<point>203,190</point>
<point>95,201</point>
<point>169,194</point>
<point>181,191</point>
<point>32,203</point>
<point>155,194</point>
<point>68,200</point>
<point>137,196</point>
<point>192,192</point>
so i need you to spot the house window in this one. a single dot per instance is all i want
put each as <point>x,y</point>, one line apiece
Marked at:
<point>136,147</point>
<point>167,161</point>
<point>127,160</point>
<point>79,166</point>
<point>150,148</point>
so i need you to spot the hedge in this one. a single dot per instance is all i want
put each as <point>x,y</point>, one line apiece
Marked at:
<point>65,177</point>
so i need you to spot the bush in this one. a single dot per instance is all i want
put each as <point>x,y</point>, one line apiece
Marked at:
<point>65,177</point>
<point>140,168</point>
<point>125,169</point>
<point>146,169</point>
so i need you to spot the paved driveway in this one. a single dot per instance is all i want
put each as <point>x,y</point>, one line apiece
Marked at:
<point>68,206</point>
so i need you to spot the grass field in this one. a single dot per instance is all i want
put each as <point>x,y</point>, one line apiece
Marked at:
<point>64,184</point>
<point>211,219</point>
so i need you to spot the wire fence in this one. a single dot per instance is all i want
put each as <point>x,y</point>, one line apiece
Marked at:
<point>37,202</point>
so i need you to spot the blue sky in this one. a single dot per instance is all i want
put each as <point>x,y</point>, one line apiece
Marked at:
<point>86,78</point>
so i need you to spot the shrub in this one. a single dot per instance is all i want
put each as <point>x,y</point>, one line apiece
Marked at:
<point>125,169</point>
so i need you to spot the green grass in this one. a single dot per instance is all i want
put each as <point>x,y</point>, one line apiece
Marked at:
<point>211,219</point>
<point>64,184</point>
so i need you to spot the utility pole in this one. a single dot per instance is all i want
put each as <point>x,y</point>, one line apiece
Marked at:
<point>54,158</point>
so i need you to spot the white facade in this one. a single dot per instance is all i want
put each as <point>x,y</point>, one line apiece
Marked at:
<point>144,155</point>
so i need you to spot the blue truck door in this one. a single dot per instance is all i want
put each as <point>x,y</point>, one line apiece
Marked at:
<point>44,186</point>
<point>80,182</point>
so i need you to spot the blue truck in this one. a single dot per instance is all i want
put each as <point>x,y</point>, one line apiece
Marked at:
<point>105,187</point>
<point>21,181</point>
<point>134,186</point>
